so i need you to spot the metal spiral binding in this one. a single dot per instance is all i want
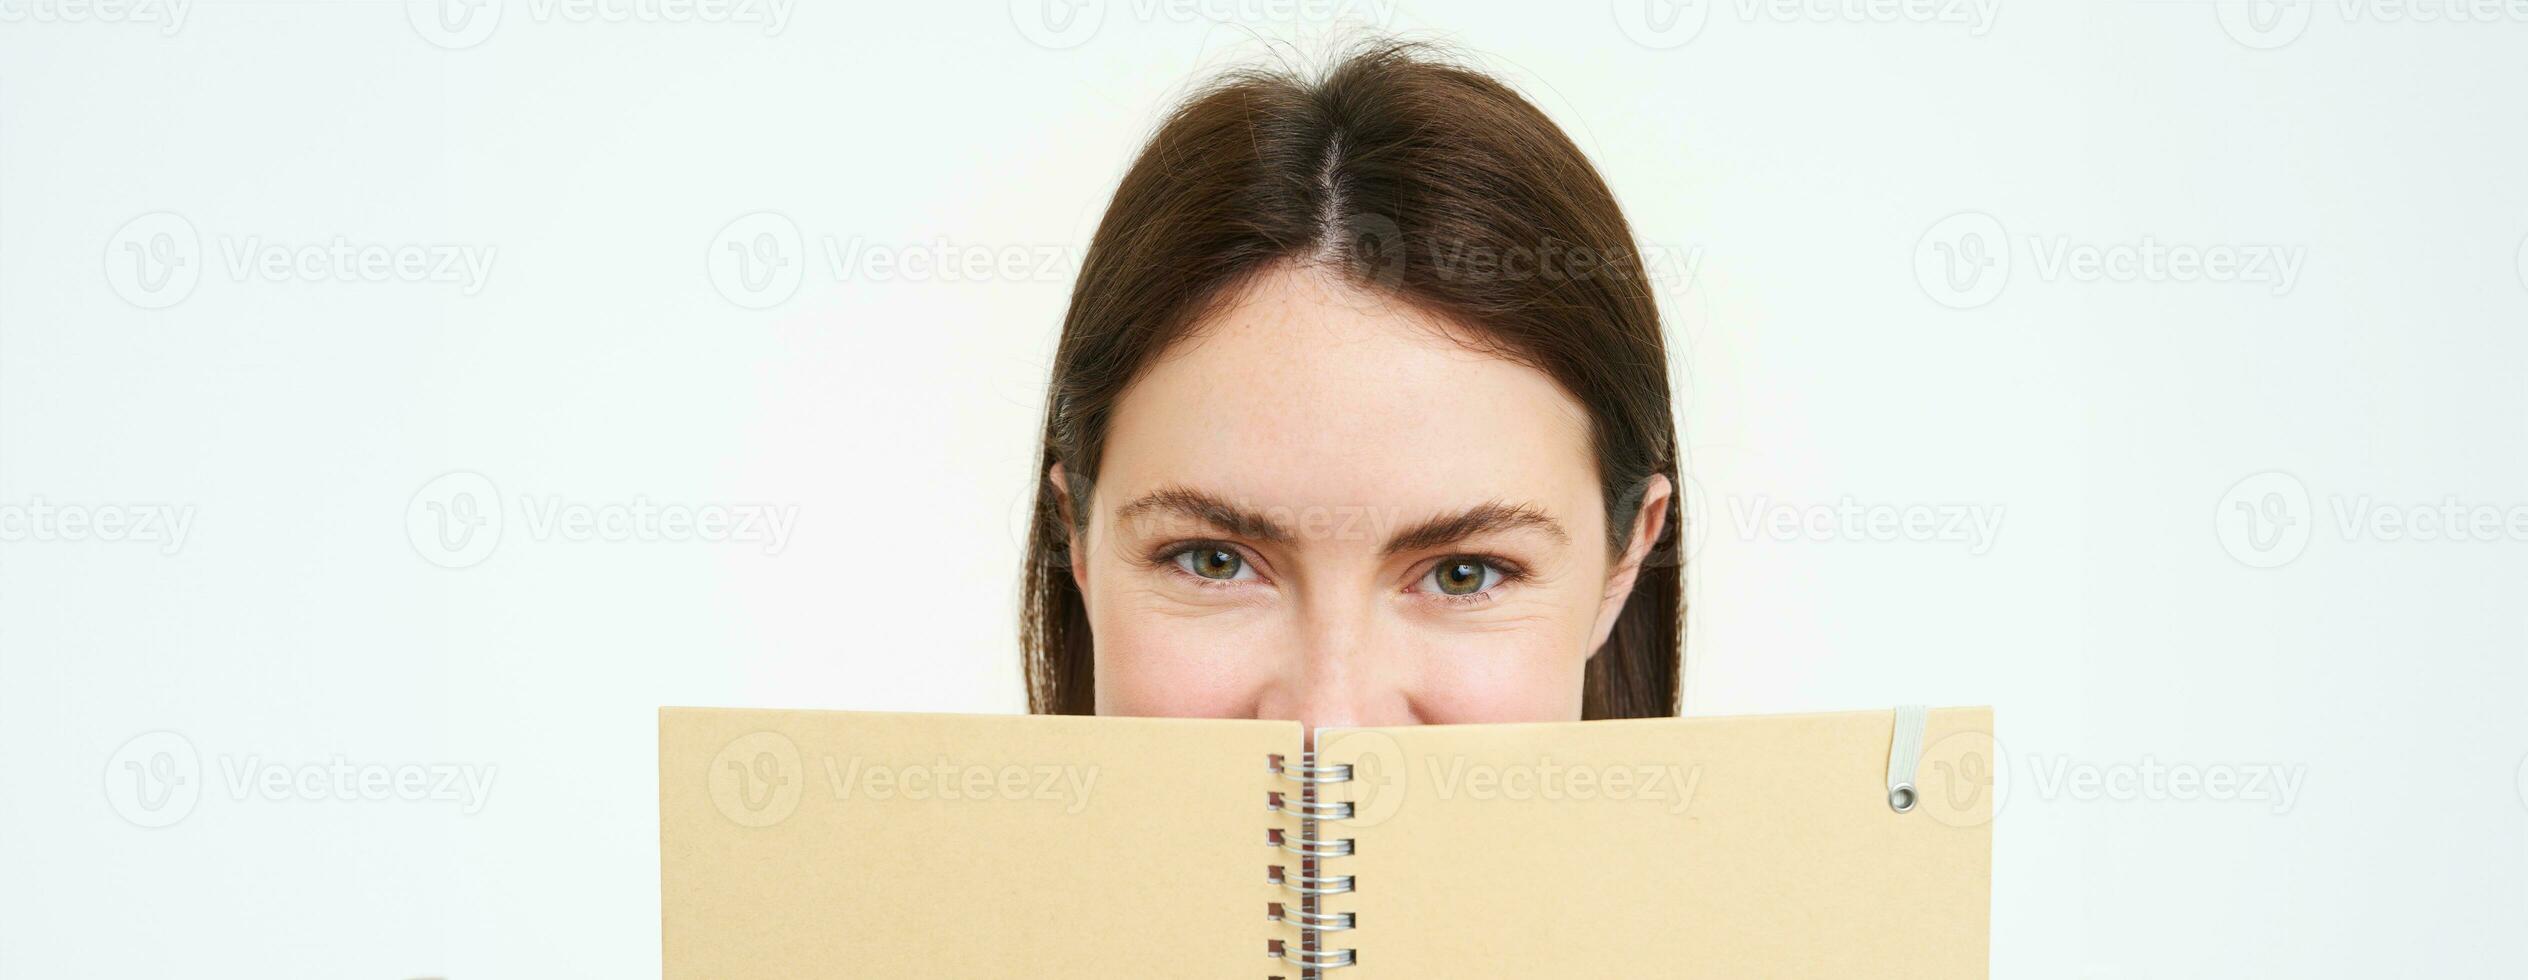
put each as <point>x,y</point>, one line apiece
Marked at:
<point>1308,883</point>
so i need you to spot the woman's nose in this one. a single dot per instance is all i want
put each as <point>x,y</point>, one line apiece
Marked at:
<point>1345,672</point>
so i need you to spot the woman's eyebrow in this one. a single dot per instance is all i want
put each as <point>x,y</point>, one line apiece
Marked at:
<point>1482,518</point>
<point>1212,511</point>
<point>1208,509</point>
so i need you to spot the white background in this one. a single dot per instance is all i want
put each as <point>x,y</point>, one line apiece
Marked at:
<point>1850,356</point>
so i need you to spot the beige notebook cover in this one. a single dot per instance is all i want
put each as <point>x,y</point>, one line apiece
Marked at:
<point>849,844</point>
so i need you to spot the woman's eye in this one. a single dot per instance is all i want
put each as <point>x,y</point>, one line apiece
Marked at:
<point>1463,576</point>
<point>1211,563</point>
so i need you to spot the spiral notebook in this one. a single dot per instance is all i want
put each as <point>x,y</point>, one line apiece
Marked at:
<point>851,844</point>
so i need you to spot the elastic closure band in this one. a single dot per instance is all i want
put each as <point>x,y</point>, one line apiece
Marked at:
<point>1903,754</point>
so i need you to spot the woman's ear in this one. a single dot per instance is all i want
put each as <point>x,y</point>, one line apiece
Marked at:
<point>1649,521</point>
<point>1072,551</point>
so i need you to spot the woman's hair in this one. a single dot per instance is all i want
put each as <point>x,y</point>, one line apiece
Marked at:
<point>1412,178</point>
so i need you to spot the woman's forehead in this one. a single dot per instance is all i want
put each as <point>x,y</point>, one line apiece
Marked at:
<point>1301,395</point>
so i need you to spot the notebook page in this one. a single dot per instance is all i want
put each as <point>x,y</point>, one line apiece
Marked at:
<point>1706,847</point>
<point>846,844</point>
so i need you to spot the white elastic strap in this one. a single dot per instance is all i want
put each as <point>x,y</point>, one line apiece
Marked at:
<point>1903,754</point>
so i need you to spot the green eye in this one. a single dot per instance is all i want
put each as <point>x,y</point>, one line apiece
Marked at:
<point>1462,576</point>
<point>1212,563</point>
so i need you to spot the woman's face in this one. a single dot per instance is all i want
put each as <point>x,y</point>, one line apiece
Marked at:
<point>1323,508</point>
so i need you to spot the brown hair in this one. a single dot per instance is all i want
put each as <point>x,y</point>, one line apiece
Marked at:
<point>1417,179</point>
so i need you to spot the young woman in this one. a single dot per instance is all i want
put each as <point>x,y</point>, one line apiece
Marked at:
<point>1360,416</point>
